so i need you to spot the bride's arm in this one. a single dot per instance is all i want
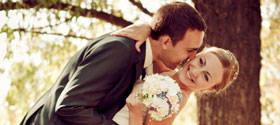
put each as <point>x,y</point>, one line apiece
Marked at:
<point>138,31</point>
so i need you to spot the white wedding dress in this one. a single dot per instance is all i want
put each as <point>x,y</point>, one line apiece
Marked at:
<point>122,117</point>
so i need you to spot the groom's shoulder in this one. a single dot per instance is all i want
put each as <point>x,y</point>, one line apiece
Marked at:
<point>117,41</point>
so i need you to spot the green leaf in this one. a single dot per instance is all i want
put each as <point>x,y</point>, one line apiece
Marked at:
<point>18,6</point>
<point>77,12</point>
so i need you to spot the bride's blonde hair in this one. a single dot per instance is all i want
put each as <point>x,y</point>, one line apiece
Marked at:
<point>230,65</point>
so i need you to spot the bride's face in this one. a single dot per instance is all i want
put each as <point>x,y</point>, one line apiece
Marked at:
<point>202,73</point>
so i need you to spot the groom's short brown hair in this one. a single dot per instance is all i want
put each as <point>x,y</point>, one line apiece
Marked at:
<point>174,19</point>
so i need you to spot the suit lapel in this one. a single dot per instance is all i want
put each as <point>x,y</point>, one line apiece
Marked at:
<point>141,60</point>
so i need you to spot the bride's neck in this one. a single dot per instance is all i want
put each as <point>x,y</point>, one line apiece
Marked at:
<point>182,86</point>
<point>169,73</point>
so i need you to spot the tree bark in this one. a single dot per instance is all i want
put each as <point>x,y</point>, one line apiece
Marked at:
<point>234,25</point>
<point>140,6</point>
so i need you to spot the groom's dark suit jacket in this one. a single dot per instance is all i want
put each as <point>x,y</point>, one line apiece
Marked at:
<point>93,86</point>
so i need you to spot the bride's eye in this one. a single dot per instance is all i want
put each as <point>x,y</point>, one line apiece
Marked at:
<point>206,77</point>
<point>200,61</point>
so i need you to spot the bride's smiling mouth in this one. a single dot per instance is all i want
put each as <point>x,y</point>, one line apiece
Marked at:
<point>188,75</point>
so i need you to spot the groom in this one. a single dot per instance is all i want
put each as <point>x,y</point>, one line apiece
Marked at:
<point>96,81</point>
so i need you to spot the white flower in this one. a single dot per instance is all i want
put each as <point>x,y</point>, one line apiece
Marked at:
<point>174,99</point>
<point>161,95</point>
<point>162,110</point>
<point>164,86</point>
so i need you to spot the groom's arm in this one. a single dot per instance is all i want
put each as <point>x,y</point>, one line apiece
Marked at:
<point>95,76</point>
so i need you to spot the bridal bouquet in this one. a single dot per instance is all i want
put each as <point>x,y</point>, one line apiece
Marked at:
<point>161,95</point>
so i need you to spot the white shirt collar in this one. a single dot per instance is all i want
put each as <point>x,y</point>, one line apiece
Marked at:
<point>148,64</point>
<point>149,54</point>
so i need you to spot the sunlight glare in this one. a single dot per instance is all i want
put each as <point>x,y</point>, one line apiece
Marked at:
<point>3,18</point>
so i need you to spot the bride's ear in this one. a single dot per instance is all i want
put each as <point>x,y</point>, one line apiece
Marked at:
<point>165,41</point>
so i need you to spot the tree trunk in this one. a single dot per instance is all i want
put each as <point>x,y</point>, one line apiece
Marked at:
<point>234,25</point>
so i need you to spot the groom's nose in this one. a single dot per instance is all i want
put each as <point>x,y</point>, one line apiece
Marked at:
<point>192,55</point>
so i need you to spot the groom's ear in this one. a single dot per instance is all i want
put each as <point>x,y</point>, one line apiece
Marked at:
<point>165,41</point>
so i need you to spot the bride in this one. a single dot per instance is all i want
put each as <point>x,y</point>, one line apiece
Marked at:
<point>212,70</point>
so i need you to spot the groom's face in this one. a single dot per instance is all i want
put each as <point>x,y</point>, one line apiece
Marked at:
<point>183,50</point>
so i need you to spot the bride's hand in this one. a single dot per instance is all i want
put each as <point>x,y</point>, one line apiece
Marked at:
<point>136,108</point>
<point>139,32</point>
<point>134,104</point>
